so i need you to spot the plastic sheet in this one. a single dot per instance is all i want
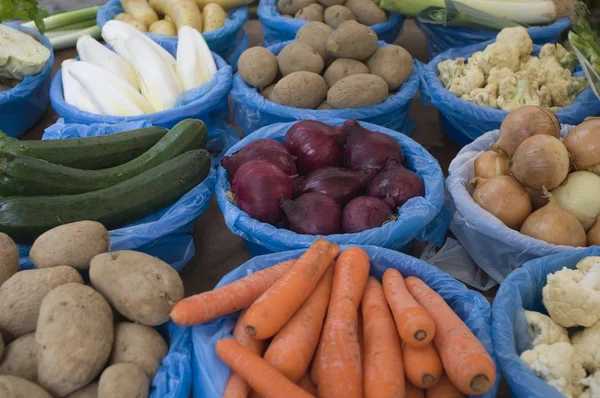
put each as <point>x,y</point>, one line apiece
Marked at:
<point>224,41</point>
<point>523,290</point>
<point>463,121</point>
<point>252,111</point>
<point>278,29</point>
<point>23,105</point>
<point>419,218</point>
<point>210,374</point>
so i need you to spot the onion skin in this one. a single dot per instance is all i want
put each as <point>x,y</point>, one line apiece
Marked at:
<point>541,161</point>
<point>593,236</point>
<point>270,150</point>
<point>364,213</point>
<point>491,164</point>
<point>395,184</point>
<point>313,214</point>
<point>341,184</point>
<point>580,196</point>
<point>555,225</point>
<point>538,199</point>
<point>583,143</point>
<point>504,198</point>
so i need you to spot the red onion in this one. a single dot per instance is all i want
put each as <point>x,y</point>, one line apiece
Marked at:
<point>364,213</point>
<point>341,184</point>
<point>396,184</point>
<point>265,149</point>
<point>313,214</point>
<point>368,150</point>
<point>315,145</point>
<point>258,186</point>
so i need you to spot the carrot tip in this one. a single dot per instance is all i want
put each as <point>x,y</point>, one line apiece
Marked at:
<point>428,380</point>
<point>480,383</point>
<point>420,335</point>
<point>250,330</point>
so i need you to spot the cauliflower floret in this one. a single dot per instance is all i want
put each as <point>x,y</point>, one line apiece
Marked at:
<point>449,69</point>
<point>497,74</point>
<point>483,96</point>
<point>545,96</point>
<point>479,59</point>
<point>543,330</point>
<point>564,91</point>
<point>502,55</point>
<point>458,78</point>
<point>518,37</point>
<point>516,92</point>
<point>586,344</point>
<point>564,57</point>
<point>529,62</point>
<point>593,384</point>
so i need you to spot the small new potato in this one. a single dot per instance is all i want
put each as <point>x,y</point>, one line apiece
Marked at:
<point>299,57</point>
<point>313,12</point>
<point>182,12</point>
<point>266,92</point>
<point>325,106</point>
<point>16,387</point>
<point>291,7</point>
<point>123,380</point>
<point>258,67</point>
<point>315,34</point>
<point>300,90</point>
<point>138,25</point>
<point>140,345</point>
<point>392,63</point>
<point>335,15</point>
<point>367,12</point>
<point>214,17</point>
<point>140,10</point>
<point>163,27</point>
<point>9,258</point>
<point>358,91</point>
<point>123,17</point>
<point>20,358</point>
<point>343,67</point>
<point>89,391</point>
<point>329,3</point>
<point>352,40</point>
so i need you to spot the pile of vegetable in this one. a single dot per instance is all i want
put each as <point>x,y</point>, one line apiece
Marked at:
<point>569,364</point>
<point>114,179</point>
<point>60,334</point>
<point>139,77</point>
<point>586,45</point>
<point>323,180</point>
<point>328,69</point>
<point>333,12</point>
<point>363,337</point>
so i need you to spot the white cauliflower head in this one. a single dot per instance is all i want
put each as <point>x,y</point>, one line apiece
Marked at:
<point>498,74</point>
<point>593,386</point>
<point>500,55</point>
<point>543,330</point>
<point>483,96</point>
<point>587,345</point>
<point>518,37</point>
<point>564,57</point>
<point>458,78</point>
<point>545,96</point>
<point>516,92</point>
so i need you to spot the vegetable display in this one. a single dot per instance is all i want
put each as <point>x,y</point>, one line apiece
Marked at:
<point>333,13</point>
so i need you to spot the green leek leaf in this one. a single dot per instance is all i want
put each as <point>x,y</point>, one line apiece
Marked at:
<point>460,15</point>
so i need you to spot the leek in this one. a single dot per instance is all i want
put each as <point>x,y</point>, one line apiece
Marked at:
<point>62,19</point>
<point>69,39</point>
<point>460,15</point>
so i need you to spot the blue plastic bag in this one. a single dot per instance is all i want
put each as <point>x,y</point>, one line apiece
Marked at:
<point>224,41</point>
<point>252,111</point>
<point>463,121</point>
<point>441,38</point>
<point>210,374</point>
<point>420,218</point>
<point>23,105</point>
<point>278,29</point>
<point>238,50</point>
<point>174,376</point>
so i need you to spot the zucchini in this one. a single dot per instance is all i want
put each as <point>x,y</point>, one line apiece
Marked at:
<point>24,218</point>
<point>26,176</point>
<point>89,153</point>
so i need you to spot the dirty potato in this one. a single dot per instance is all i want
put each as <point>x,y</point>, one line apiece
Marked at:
<point>313,12</point>
<point>358,91</point>
<point>352,40</point>
<point>367,12</point>
<point>329,3</point>
<point>140,345</point>
<point>16,387</point>
<point>315,34</point>
<point>393,64</point>
<point>258,67</point>
<point>89,391</point>
<point>335,15</point>
<point>343,67</point>
<point>266,92</point>
<point>123,380</point>
<point>299,57</point>
<point>325,106</point>
<point>291,7</point>
<point>9,258</point>
<point>300,90</point>
<point>20,358</point>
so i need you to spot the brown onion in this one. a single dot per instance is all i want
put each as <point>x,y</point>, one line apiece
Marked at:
<point>593,236</point>
<point>583,143</point>
<point>491,164</point>
<point>541,161</point>
<point>504,198</point>
<point>525,122</point>
<point>538,199</point>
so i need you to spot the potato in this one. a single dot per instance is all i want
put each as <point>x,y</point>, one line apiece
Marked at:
<point>352,40</point>
<point>74,338</point>
<point>343,67</point>
<point>291,7</point>
<point>9,258</point>
<point>22,295</point>
<point>258,67</point>
<point>123,380</point>
<point>1,347</point>
<point>141,287</point>
<point>140,10</point>
<point>138,25</point>
<point>266,92</point>
<point>20,358</point>
<point>163,27</point>
<point>72,244</point>
<point>392,63</point>
<point>315,34</point>
<point>140,345</point>
<point>325,106</point>
<point>335,15</point>
<point>329,3</point>
<point>182,12</point>
<point>300,90</point>
<point>313,12</point>
<point>214,17</point>
<point>367,12</point>
<point>89,391</point>
<point>123,17</point>
<point>299,57</point>
<point>357,91</point>
<point>286,16</point>
<point>16,387</point>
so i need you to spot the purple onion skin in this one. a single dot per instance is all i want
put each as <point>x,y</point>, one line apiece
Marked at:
<point>258,186</point>
<point>396,184</point>
<point>368,150</point>
<point>315,145</point>
<point>364,213</point>
<point>270,150</point>
<point>313,214</point>
<point>341,184</point>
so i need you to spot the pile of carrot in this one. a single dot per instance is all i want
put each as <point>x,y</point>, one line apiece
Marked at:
<point>319,326</point>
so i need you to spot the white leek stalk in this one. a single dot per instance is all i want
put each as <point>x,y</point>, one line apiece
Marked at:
<point>74,93</point>
<point>195,62</point>
<point>21,54</point>
<point>109,93</point>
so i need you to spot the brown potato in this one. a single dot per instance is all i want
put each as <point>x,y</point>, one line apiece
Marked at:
<point>392,63</point>
<point>335,15</point>
<point>358,91</point>
<point>89,391</point>
<point>123,380</point>
<point>343,67</point>
<point>313,12</point>
<point>299,57</point>
<point>325,106</point>
<point>286,16</point>
<point>329,3</point>
<point>16,387</point>
<point>266,92</point>
<point>140,345</point>
<point>140,10</point>
<point>163,27</point>
<point>315,34</point>
<point>258,67</point>
<point>291,7</point>
<point>9,258</point>
<point>352,40</point>
<point>367,12</point>
<point>300,90</point>
<point>20,358</point>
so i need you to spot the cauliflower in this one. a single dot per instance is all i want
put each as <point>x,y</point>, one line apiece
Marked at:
<point>529,62</point>
<point>458,78</point>
<point>497,74</point>
<point>516,92</point>
<point>483,96</point>
<point>586,344</point>
<point>543,330</point>
<point>545,96</point>
<point>564,57</point>
<point>517,37</point>
<point>593,384</point>
<point>496,55</point>
<point>564,91</point>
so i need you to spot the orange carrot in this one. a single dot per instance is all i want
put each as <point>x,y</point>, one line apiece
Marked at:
<point>277,305</point>
<point>425,365</point>
<point>465,360</point>
<point>293,347</point>
<point>307,385</point>
<point>413,391</point>
<point>415,325</point>
<point>383,370</point>
<point>262,377</point>
<point>444,389</point>
<point>341,368</point>
<point>205,307</point>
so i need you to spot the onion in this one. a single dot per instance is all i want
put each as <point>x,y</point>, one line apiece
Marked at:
<point>541,161</point>
<point>490,164</point>
<point>313,214</point>
<point>580,196</point>
<point>257,187</point>
<point>364,213</point>
<point>341,184</point>
<point>583,143</point>
<point>269,150</point>
<point>538,199</point>
<point>504,198</point>
<point>396,184</point>
<point>554,225</point>
<point>523,123</point>
<point>593,236</point>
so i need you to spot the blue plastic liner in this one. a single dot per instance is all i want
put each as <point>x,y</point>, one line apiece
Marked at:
<point>278,29</point>
<point>252,111</point>
<point>441,38</point>
<point>419,218</point>
<point>224,41</point>
<point>237,51</point>
<point>523,290</point>
<point>463,121</point>
<point>210,374</point>
<point>23,105</point>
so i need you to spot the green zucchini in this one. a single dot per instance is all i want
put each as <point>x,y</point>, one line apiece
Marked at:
<point>24,218</point>
<point>26,176</point>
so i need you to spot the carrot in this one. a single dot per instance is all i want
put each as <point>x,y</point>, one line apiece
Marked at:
<point>205,307</point>
<point>307,385</point>
<point>415,325</point>
<point>341,368</point>
<point>413,391</point>
<point>383,370</point>
<point>444,389</point>
<point>277,305</point>
<point>465,360</point>
<point>425,365</point>
<point>262,377</point>
<point>293,347</point>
